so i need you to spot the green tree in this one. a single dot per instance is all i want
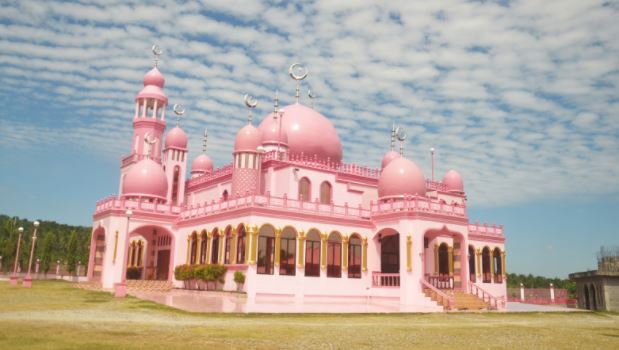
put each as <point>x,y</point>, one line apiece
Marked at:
<point>72,252</point>
<point>46,251</point>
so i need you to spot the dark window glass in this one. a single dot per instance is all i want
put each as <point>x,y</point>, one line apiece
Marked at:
<point>312,258</point>
<point>287,256</point>
<point>266,250</point>
<point>354,258</point>
<point>227,246</point>
<point>240,250</point>
<point>215,249</point>
<point>334,259</point>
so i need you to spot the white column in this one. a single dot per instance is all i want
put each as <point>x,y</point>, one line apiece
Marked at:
<point>143,112</point>
<point>521,292</point>
<point>155,110</point>
<point>137,108</point>
<point>552,293</point>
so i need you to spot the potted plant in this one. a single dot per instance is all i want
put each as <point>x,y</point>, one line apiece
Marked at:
<point>239,279</point>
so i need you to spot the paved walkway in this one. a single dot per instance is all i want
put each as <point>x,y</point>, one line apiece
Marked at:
<point>200,301</point>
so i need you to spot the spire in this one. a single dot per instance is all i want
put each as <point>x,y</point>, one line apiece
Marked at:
<point>392,136</point>
<point>400,133</point>
<point>298,73</point>
<point>204,140</point>
<point>179,110</point>
<point>157,51</point>
<point>276,105</point>
<point>251,103</point>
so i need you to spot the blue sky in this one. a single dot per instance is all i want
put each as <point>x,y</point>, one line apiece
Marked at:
<point>520,97</point>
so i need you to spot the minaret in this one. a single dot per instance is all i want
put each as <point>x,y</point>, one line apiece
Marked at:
<point>148,119</point>
<point>175,159</point>
<point>247,162</point>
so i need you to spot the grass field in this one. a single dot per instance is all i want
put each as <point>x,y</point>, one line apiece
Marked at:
<point>57,315</point>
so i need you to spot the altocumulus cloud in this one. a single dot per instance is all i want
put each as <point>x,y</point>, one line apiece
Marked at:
<point>519,96</point>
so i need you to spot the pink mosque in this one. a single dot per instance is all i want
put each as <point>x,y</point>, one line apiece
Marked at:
<point>300,223</point>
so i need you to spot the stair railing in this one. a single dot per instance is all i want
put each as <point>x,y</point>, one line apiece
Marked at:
<point>495,303</point>
<point>440,294</point>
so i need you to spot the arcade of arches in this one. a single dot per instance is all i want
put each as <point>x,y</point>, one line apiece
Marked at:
<point>150,253</point>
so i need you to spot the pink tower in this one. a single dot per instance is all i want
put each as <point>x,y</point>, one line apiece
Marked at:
<point>246,166</point>
<point>175,160</point>
<point>148,120</point>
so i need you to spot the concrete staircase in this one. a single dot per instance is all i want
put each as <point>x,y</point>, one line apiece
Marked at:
<point>461,301</point>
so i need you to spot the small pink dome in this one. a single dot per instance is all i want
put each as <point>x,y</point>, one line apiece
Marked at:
<point>248,139</point>
<point>202,165</point>
<point>154,77</point>
<point>453,181</point>
<point>271,134</point>
<point>308,132</point>
<point>145,179</point>
<point>176,138</point>
<point>388,157</point>
<point>401,177</point>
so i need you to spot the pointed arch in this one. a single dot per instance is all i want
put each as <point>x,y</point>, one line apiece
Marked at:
<point>312,253</point>
<point>334,255</point>
<point>266,249</point>
<point>203,247</point>
<point>485,265</point>
<point>497,262</point>
<point>326,192</point>
<point>194,248</point>
<point>305,189</point>
<point>215,237</point>
<point>241,243</point>
<point>227,244</point>
<point>288,246</point>
<point>354,256</point>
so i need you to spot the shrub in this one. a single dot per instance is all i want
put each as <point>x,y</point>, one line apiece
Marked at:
<point>133,273</point>
<point>183,272</point>
<point>239,277</point>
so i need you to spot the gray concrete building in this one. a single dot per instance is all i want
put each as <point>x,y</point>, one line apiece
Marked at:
<point>599,289</point>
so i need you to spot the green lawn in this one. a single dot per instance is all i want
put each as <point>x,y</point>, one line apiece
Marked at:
<point>58,315</point>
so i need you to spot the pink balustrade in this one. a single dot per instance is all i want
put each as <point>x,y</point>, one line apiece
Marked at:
<point>315,163</point>
<point>486,230</point>
<point>214,175</point>
<point>137,205</point>
<point>435,186</point>
<point>132,158</point>
<point>441,281</point>
<point>380,279</point>
<point>417,203</point>
<point>495,303</point>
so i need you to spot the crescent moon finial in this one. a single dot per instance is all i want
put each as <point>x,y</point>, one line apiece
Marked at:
<point>251,102</point>
<point>157,52</point>
<point>297,72</point>
<point>179,110</point>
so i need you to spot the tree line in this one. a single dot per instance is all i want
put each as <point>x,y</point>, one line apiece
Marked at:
<point>67,243</point>
<point>530,281</point>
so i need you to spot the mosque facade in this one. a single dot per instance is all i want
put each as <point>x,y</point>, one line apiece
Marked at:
<point>292,216</point>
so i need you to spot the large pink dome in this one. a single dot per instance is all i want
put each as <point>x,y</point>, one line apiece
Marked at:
<point>271,134</point>
<point>176,138</point>
<point>154,77</point>
<point>308,132</point>
<point>453,181</point>
<point>202,165</point>
<point>401,177</point>
<point>247,139</point>
<point>146,179</point>
<point>388,157</point>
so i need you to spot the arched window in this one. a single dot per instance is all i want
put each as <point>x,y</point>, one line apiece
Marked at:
<point>132,253</point>
<point>443,261</point>
<point>312,254</point>
<point>194,248</point>
<point>227,245</point>
<point>472,270</point>
<point>334,255</point>
<point>498,275</point>
<point>175,185</point>
<point>215,247</point>
<point>288,245</point>
<point>140,253</point>
<point>224,195</point>
<point>203,245</point>
<point>240,245</point>
<point>485,263</point>
<point>305,189</point>
<point>354,256</point>
<point>266,250</point>
<point>325,193</point>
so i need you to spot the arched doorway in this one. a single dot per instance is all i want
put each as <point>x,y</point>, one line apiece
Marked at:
<point>390,253</point>
<point>594,305</point>
<point>266,250</point>
<point>157,258</point>
<point>472,270</point>
<point>485,264</point>
<point>498,274</point>
<point>443,261</point>
<point>586,297</point>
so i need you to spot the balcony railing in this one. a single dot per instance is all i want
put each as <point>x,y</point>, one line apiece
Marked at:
<point>441,281</point>
<point>486,230</point>
<point>279,203</point>
<point>113,202</point>
<point>417,203</point>
<point>132,158</point>
<point>380,279</point>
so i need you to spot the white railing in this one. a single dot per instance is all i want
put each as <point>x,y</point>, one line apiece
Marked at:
<point>380,279</point>
<point>495,303</point>
<point>486,230</point>
<point>440,296</point>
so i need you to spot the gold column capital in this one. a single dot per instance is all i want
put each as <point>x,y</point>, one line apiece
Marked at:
<point>233,232</point>
<point>409,258</point>
<point>365,241</point>
<point>344,239</point>
<point>364,255</point>
<point>115,247</point>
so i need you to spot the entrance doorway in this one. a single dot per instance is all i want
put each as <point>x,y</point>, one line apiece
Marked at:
<point>390,254</point>
<point>163,264</point>
<point>99,253</point>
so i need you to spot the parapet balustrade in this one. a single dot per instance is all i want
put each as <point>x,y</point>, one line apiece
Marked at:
<point>380,279</point>
<point>278,203</point>
<point>132,158</point>
<point>137,205</point>
<point>486,230</point>
<point>213,175</point>
<point>417,203</point>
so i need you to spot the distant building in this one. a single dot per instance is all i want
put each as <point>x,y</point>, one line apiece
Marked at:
<point>599,289</point>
